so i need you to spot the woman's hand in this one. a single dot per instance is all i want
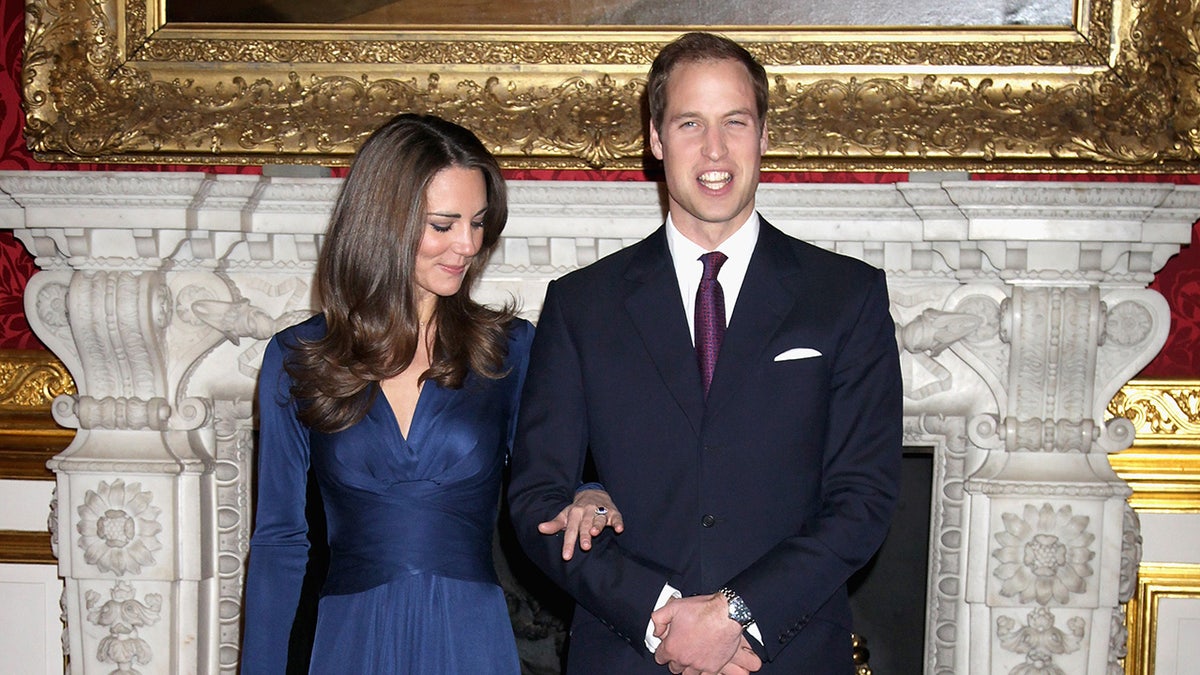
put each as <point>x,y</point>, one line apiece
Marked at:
<point>586,517</point>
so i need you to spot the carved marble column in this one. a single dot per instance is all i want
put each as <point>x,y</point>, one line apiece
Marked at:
<point>1048,515</point>
<point>1034,549</point>
<point>156,293</point>
<point>1021,308</point>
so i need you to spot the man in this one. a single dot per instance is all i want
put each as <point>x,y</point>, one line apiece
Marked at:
<point>751,489</point>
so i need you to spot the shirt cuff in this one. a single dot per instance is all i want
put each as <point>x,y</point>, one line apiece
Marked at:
<point>668,593</point>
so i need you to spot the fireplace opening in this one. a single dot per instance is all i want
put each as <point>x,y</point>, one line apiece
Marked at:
<point>888,595</point>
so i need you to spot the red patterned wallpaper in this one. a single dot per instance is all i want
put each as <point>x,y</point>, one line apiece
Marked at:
<point>16,266</point>
<point>1179,281</point>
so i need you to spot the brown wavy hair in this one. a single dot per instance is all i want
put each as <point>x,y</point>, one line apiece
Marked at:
<point>365,279</point>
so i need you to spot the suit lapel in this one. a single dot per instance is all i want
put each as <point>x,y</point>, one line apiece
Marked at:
<point>763,302</point>
<point>653,302</point>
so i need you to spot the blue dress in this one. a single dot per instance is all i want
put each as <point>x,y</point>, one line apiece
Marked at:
<point>411,586</point>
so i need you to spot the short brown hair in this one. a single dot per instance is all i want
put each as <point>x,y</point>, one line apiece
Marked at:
<point>697,46</point>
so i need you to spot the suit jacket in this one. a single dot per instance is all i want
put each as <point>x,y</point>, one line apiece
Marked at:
<point>780,485</point>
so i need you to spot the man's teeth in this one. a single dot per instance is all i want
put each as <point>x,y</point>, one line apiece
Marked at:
<point>715,179</point>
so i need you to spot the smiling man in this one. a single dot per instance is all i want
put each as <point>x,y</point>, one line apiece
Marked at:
<point>738,393</point>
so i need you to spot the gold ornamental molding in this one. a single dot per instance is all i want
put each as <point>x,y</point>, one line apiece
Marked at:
<point>1118,90</point>
<point>1156,581</point>
<point>29,381</point>
<point>1163,466</point>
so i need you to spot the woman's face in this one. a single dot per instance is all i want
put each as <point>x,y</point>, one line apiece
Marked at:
<point>455,203</point>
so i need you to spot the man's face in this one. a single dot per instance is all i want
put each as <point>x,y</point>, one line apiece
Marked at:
<point>711,148</point>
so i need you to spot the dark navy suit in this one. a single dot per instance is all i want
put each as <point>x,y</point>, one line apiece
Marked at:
<point>780,485</point>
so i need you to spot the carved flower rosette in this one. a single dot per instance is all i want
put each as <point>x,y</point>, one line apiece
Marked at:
<point>118,528</point>
<point>1044,555</point>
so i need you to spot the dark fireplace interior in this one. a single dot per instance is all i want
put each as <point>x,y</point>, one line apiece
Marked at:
<point>888,595</point>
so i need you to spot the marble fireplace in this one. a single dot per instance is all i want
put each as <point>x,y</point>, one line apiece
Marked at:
<point>1020,307</point>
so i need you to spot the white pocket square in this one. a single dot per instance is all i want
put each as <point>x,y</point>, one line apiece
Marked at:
<point>797,353</point>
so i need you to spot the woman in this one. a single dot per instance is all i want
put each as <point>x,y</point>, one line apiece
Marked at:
<point>402,395</point>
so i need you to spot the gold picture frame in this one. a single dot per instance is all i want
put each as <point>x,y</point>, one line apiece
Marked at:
<point>30,379</point>
<point>1163,466</point>
<point>1115,92</point>
<point>1155,582</point>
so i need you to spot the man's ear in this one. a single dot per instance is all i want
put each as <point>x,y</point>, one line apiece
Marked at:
<point>655,142</point>
<point>762,142</point>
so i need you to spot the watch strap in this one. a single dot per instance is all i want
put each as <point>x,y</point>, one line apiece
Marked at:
<point>738,611</point>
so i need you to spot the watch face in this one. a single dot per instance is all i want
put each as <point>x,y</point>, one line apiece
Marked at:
<point>738,611</point>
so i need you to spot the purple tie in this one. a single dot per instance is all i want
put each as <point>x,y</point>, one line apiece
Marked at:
<point>710,316</point>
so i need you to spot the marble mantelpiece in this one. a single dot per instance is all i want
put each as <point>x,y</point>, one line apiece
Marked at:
<point>1021,308</point>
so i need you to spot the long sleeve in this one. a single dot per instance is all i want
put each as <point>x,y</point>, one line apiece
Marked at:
<point>279,546</point>
<point>519,341</point>
<point>548,460</point>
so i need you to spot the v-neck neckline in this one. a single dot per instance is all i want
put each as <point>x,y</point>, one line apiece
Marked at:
<point>405,436</point>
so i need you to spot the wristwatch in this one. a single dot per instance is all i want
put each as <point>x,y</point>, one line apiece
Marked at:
<point>738,611</point>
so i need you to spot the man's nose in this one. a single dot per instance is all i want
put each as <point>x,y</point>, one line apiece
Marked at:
<point>714,143</point>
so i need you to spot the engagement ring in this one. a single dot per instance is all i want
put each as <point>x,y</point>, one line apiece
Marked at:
<point>601,510</point>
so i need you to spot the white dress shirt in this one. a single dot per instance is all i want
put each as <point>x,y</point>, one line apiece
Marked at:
<point>688,270</point>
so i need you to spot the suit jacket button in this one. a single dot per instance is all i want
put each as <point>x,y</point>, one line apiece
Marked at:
<point>708,520</point>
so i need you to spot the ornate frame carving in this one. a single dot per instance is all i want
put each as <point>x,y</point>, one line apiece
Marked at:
<point>29,381</point>
<point>1117,91</point>
<point>1163,466</point>
<point>1155,581</point>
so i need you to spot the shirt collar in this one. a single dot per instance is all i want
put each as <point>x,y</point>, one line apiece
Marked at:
<point>739,245</point>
